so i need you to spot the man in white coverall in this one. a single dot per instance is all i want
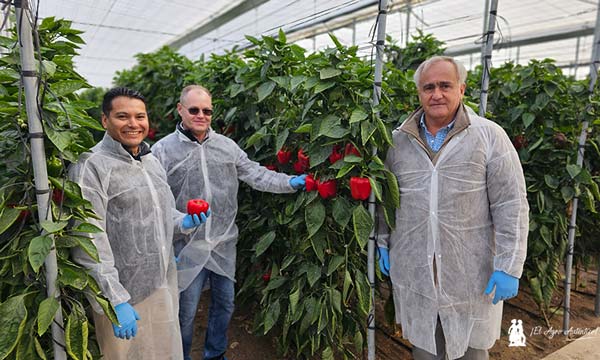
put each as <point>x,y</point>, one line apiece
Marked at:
<point>128,189</point>
<point>461,229</point>
<point>203,164</point>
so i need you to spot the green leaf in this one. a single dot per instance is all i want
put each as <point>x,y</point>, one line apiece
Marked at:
<point>392,185</point>
<point>358,341</point>
<point>331,127</point>
<point>313,274</point>
<point>264,242</point>
<point>88,246</point>
<point>39,350</point>
<point>53,227</point>
<point>39,248</point>
<point>294,297</point>
<point>46,312</point>
<point>76,336</point>
<point>282,81</point>
<point>319,242</point>
<point>304,129</point>
<point>297,80</point>
<point>347,285</point>
<point>376,188</point>
<point>322,86</point>
<point>281,138</point>
<point>275,282</point>
<point>107,308</point>
<point>327,354</point>
<point>272,315</point>
<point>329,73</point>
<point>66,87</point>
<point>345,169</point>
<point>358,115</point>
<point>334,263</point>
<point>385,132</point>
<point>367,130</point>
<point>49,67</point>
<point>88,228</point>
<point>282,38</point>
<point>528,119</point>
<point>73,277</point>
<point>13,317</point>
<point>363,223</point>
<point>314,216</point>
<point>573,170</point>
<point>8,217</point>
<point>318,155</point>
<point>256,137</point>
<point>342,211</point>
<point>551,181</point>
<point>265,89</point>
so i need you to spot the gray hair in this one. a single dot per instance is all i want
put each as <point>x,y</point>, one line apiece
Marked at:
<point>186,90</point>
<point>460,68</point>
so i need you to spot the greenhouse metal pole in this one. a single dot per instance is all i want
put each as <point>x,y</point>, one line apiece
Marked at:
<point>378,76</point>
<point>486,10</point>
<point>597,302</point>
<point>38,157</point>
<point>487,58</point>
<point>594,64</point>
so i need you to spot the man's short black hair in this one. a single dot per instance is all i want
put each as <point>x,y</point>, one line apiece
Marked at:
<point>116,92</point>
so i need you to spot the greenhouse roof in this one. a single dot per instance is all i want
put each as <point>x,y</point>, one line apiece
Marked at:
<point>116,30</point>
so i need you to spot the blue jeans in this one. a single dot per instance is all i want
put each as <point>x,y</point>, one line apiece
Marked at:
<point>222,291</point>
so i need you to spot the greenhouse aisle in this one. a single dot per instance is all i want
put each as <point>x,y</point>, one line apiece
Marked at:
<point>584,348</point>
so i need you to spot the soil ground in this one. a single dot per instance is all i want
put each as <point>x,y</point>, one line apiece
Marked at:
<point>541,338</point>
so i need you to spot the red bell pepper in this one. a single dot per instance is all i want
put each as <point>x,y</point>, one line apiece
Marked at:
<point>283,156</point>
<point>266,277</point>
<point>360,188</point>
<point>327,189</point>
<point>311,183</point>
<point>303,158</point>
<point>335,154</point>
<point>351,150</point>
<point>271,167</point>
<point>299,167</point>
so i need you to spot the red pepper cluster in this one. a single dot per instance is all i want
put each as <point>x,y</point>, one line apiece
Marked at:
<point>360,187</point>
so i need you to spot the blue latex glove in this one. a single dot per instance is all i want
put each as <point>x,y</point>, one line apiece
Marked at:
<point>384,260</point>
<point>507,286</point>
<point>191,221</point>
<point>127,317</point>
<point>298,182</point>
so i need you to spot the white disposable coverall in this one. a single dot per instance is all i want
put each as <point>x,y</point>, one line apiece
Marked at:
<point>211,170</point>
<point>138,214</point>
<point>466,208</point>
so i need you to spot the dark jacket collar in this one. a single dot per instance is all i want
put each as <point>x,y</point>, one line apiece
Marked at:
<point>190,135</point>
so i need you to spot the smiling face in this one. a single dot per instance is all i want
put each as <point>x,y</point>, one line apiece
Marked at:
<point>127,122</point>
<point>199,102</point>
<point>440,92</point>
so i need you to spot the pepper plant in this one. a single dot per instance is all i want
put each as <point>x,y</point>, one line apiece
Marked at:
<point>26,312</point>
<point>541,110</point>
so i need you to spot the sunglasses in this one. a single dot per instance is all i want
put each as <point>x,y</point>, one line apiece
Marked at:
<point>195,111</point>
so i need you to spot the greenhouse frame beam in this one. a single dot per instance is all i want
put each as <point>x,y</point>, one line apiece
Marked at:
<point>234,12</point>
<point>560,34</point>
<point>342,19</point>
